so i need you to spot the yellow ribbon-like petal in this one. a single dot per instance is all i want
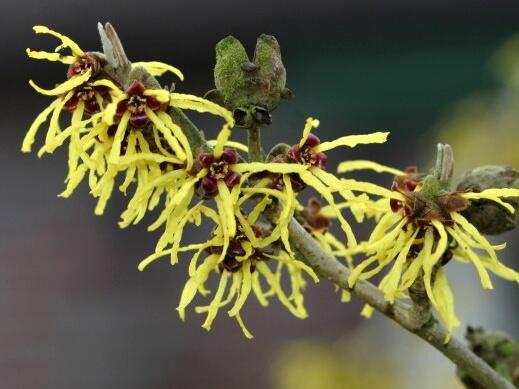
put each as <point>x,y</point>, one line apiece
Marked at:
<point>310,124</point>
<point>29,138</point>
<point>353,140</point>
<point>54,57</point>
<point>157,69</point>
<point>65,86</point>
<point>349,166</point>
<point>195,103</point>
<point>65,41</point>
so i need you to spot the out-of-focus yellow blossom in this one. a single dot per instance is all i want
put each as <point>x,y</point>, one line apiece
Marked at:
<point>421,230</point>
<point>311,364</point>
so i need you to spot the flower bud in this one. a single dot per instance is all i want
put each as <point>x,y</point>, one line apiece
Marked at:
<point>251,89</point>
<point>312,141</point>
<point>489,217</point>
<point>230,156</point>
<point>206,159</point>
<point>232,179</point>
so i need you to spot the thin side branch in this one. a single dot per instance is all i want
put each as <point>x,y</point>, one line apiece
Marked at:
<point>254,142</point>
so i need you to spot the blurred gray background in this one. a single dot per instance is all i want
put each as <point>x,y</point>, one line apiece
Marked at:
<point>76,312</point>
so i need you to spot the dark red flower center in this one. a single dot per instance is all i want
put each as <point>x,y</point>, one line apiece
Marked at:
<point>87,94</point>
<point>230,262</point>
<point>218,169</point>
<point>306,154</point>
<point>136,104</point>
<point>82,65</point>
<point>421,209</point>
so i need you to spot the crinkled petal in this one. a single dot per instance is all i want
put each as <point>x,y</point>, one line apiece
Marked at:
<point>310,124</point>
<point>184,101</point>
<point>55,57</point>
<point>353,140</point>
<point>349,166</point>
<point>65,41</point>
<point>64,87</point>
<point>157,69</point>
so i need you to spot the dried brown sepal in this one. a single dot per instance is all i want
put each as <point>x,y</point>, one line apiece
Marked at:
<point>312,219</point>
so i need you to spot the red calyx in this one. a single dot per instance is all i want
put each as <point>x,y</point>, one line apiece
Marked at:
<point>294,153</point>
<point>320,160</point>
<point>232,179</point>
<point>153,103</point>
<point>230,156</point>
<point>139,120</point>
<point>71,103</point>
<point>209,185</point>
<point>206,159</point>
<point>136,88</point>
<point>312,141</point>
<point>395,205</point>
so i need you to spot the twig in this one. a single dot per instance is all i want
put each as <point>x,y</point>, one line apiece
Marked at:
<point>254,143</point>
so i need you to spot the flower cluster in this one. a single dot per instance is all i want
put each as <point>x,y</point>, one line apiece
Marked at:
<point>420,229</point>
<point>126,127</point>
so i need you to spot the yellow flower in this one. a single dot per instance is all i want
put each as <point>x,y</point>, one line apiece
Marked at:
<point>305,164</point>
<point>82,66</point>
<point>84,92</point>
<point>149,145</point>
<point>77,94</point>
<point>240,263</point>
<point>421,230</point>
<point>217,175</point>
<point>94,145</point>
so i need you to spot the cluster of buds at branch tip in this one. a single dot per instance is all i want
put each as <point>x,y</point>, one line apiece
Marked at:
<point>498,349</point>
<point>251,89</point>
